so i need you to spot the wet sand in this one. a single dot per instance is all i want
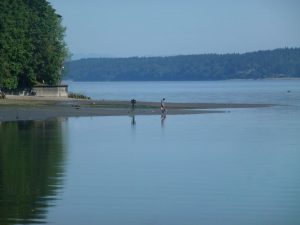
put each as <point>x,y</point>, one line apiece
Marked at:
<point>16,108</point>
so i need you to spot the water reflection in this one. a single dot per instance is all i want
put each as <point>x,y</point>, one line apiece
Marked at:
<point>31,169</point>
<point>163,118</point>
<point>133,122</point>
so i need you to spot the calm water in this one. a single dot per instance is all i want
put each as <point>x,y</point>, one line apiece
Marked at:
<point>234,168</point>
<point>270,91</point>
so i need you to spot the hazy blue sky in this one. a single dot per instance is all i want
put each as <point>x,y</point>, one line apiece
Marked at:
<point>172,27</point>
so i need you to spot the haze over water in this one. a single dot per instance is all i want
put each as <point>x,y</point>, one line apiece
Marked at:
<point>238,167</point>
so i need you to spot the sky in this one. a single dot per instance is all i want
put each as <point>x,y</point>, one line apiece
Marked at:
<point>126,28</point>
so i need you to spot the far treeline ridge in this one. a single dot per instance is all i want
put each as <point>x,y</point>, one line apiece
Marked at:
<point>278,63</point>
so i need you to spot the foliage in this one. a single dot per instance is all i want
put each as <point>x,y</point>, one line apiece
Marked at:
<point>32,47</point>
<point>255,65</point>
<point>77,96</point>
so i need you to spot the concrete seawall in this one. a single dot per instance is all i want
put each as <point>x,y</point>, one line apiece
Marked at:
<point>51,91</point>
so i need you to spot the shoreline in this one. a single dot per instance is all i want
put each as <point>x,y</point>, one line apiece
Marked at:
<point>233,79</point>
<point>22,108</point>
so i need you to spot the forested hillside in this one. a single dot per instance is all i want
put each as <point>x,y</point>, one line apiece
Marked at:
<point>255,65</point>
<point>32,47</point>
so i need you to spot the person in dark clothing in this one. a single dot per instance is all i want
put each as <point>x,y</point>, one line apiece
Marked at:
<point>133,102</point>
<point>163,108</point>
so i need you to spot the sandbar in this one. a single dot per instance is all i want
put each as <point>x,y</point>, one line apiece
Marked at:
<point>20,108</point>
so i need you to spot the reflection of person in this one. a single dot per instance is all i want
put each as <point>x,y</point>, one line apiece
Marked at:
<point>133,120</point>
<point>133,101</point>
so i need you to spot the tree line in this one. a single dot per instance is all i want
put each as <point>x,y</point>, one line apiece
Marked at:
<point>32,47</point>
<point>284,62</point>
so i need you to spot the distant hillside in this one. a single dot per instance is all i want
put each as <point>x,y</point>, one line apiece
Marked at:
<point>255,65</point>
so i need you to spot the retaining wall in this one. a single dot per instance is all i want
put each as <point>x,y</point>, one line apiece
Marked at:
<point>50,91</point>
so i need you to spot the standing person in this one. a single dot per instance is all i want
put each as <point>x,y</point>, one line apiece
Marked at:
<point>133,101</point>
<point>2,94</point>
<point>163,107</point>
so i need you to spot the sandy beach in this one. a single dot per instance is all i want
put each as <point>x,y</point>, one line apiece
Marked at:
<point>17,108</point>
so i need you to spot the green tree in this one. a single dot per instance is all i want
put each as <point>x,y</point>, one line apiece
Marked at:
<point>32,47</point>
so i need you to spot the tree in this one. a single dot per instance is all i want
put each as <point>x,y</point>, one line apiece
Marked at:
<point>32,47</point>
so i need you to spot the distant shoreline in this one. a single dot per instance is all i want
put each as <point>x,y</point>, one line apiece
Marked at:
<point>273,64</point>
<point>20,108</point>
<point>236,79</point>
